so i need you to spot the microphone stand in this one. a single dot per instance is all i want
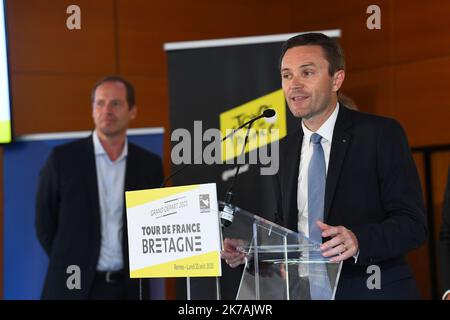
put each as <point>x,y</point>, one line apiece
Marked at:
<point>227,215</point>
<point>228,210</point>
<point>243,125</point>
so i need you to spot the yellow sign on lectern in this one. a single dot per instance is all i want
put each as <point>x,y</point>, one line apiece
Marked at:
<point>174,232</point>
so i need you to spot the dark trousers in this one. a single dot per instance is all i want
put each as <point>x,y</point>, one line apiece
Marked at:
<point>103,290</point>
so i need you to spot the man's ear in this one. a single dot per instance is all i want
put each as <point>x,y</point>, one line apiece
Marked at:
<point>133,112</point>
<point>338,80</point>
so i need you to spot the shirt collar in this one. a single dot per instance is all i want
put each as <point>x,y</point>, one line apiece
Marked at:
<point>99,150</point>
<point>326,129</point>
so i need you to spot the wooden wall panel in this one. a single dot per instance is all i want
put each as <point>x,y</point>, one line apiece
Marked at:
<point>421,100</point>
<point>51,103</point>
<point>440,167</point>
<point>419,262</point>
<point>419,258</point>
<point>153,110</point>
<point>41,43</point>
<point>370,89</point>
<point>144,26</point>
<point>421,30</point>
<point>151,100</point>
<point>364,48</point>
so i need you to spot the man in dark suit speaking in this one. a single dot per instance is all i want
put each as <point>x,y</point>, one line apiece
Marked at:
<point>80,215</point>
<point>346,178</point>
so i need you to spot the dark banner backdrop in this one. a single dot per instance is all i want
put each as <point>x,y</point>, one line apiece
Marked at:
<point>203,83</point>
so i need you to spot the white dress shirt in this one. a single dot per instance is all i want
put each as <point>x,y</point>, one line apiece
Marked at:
<point>326,132</point>
<point>111,185</point>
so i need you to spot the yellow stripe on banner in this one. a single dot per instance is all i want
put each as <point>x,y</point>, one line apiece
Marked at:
<point>203,265</point>
<point>5,131</point>
<point>137,198</point>
<point>263,132</point>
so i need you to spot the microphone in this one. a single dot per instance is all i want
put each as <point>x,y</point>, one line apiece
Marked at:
<point>268,113</point>
<point>228,210</point>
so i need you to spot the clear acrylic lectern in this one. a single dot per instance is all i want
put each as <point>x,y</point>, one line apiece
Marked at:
<point>281,264</point>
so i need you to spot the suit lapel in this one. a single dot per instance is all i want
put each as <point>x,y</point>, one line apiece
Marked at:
<point>339,146</point>
<point>130,184</point>
<point>130,173</point>
<point>92,183</point>
<point>293,151</point>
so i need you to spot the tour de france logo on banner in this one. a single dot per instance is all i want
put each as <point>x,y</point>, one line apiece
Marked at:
<point>263,131</point>
<point>174,232</point>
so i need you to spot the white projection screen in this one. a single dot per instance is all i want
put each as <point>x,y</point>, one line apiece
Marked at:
<point>5,101</point>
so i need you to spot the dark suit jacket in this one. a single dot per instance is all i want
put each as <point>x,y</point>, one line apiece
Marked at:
<point>373,189</point>
<point>68,213</point>
<point>444,239</point>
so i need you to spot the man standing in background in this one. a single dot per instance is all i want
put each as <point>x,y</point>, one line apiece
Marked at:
<point>80,214</point>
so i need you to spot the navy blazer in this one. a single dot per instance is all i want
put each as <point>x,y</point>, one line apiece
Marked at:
<point>68,213</point>
<point>373,189</point>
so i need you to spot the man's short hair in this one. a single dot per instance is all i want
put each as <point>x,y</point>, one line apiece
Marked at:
<point>131,99</point>
<point>332,50</point>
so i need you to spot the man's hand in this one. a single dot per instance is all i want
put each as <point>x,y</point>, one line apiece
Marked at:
<point>343,244</point>
<point>230,254</point>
